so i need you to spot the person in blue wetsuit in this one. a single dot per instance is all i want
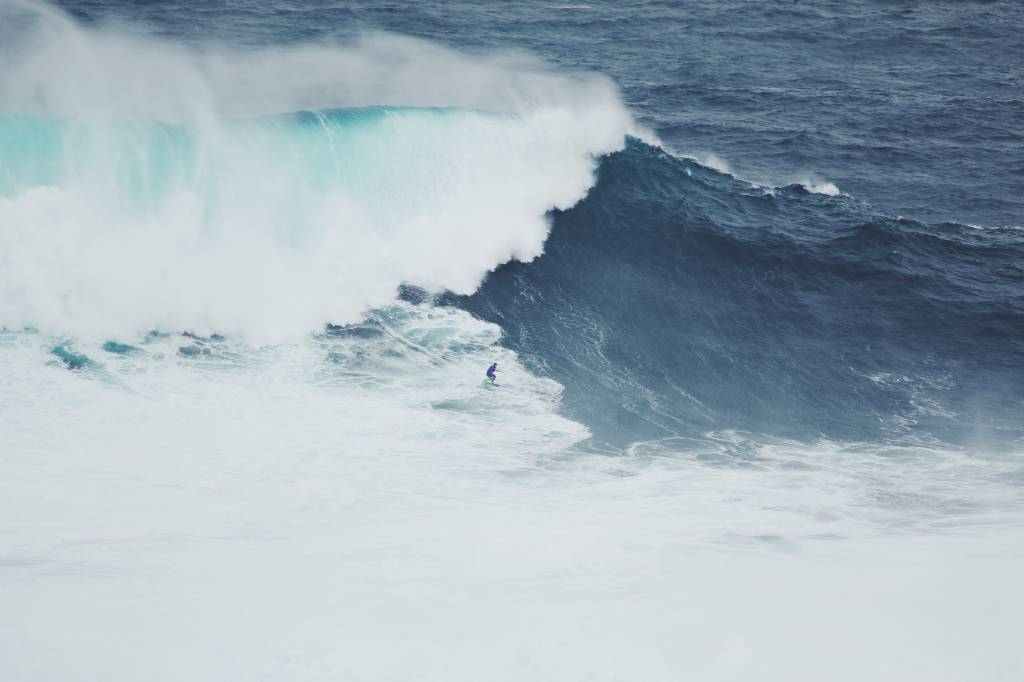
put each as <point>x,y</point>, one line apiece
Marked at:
<point>491,372</point>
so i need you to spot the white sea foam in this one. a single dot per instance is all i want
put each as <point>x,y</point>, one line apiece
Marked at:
<point>266,233</point>
<point>361,506</point>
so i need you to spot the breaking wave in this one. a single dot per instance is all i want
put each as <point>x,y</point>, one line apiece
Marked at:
<point>145,184</point>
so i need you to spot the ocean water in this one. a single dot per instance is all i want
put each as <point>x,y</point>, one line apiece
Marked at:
<point>753,275</point>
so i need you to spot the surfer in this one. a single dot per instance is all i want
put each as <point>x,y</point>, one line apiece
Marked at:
<point>491,372</point>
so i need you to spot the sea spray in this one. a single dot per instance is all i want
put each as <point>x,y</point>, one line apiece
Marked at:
<point>146,184</point>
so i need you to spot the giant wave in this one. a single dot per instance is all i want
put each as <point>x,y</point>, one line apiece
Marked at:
<point>262,193</point>
<point>268,228</point>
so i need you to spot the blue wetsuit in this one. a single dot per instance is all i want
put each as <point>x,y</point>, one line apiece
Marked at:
<point>490,372</point>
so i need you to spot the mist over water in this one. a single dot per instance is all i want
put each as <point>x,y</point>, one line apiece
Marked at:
<point>254,261</point>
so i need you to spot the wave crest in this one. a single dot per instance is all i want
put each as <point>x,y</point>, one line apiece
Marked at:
<point>146,184</point>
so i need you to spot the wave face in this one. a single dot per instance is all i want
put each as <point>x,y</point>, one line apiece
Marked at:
<point>675,300</point>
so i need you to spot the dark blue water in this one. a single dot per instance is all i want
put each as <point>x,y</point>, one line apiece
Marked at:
<point>677,300</point>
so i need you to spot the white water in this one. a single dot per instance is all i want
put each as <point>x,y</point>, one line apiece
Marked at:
<point>272,230</point>
<point>217,221</point>
<point>365,509</point>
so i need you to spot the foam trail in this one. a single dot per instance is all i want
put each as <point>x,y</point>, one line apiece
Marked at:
<point>146,184</point>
